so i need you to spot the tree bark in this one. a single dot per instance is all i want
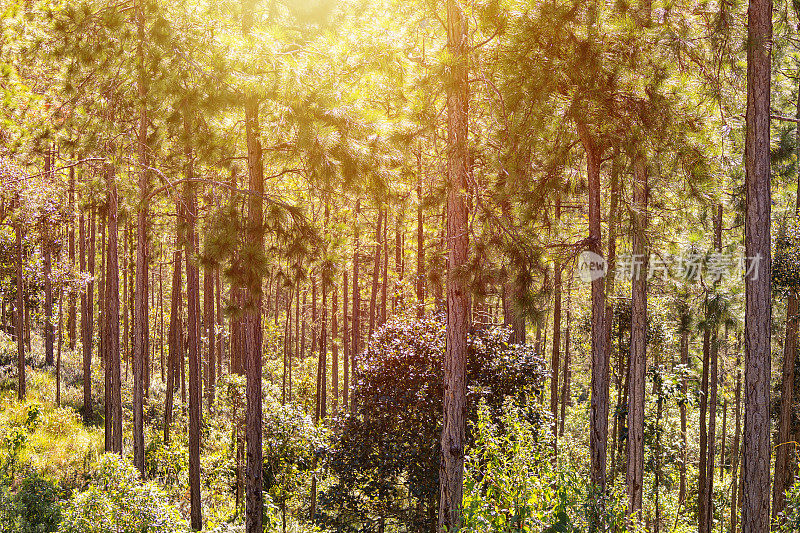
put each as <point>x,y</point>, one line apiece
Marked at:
<point>555,361</point>
<point>141,324</point>
<point>735,450</point>
<point>758,307</point>
<point>684,389</point>
<point>420,285</point>
<point>208,322</point>
<point>174,335</point>
<point>638,357</point>
<point>376,269</point>
<point>355,347</point>
<point>111,315</point>
<point>20,312</point>
<point>72,298</point>
<point>598,417</point>
<point>254,501</point>
<point>451,469</point>
<point>345,346</point>
<point>335,350</point>
<point>47,262</point>
<point>193,332</point>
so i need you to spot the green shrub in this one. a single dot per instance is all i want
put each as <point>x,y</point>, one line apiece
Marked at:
<point>117,501</point>
<point>37,505</point>
<point>512,486</point>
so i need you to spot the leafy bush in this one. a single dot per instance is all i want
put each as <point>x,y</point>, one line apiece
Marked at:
<point>117,501</point>
<point>385,455</point>
<point>789,519</point>
<point>512,486</point>
<point>36,506</point>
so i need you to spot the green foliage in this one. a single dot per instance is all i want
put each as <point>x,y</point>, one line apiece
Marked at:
<point>789,518</point>
<point>385,455</point>
<point>786,262</point>
<point>117,501</point>
<point>37,506</point>
<point>511,485</point>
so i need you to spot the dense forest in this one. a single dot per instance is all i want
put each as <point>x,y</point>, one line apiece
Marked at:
<point>399,266</point>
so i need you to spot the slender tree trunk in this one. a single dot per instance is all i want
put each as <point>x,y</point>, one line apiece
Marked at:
<point>208,315</point>
<point>87,391</point>
<point>420,285</point>
<point>355,347</point>
<point>385,273</point>
<point>47,261</point>
<point>335,350</point>
<point>193,333</point>
<point>376,261</point>
<point>252,312</point>
<point>89,339</point>
<point>565,384</point>
<point>736,451</point>
<point>161,314</point>
<point>701,482</point>
<point>758,307</point>
<point>20,313</point>
<point>60,342</point>
<point>638,357</point>
<point>72,299</point>
<point>684,389</point>
<point>451,469</point>
<point>555,361</point>
<point>598,417</point>
<point>141,321</point>
<point>345,346</point>
<point>111,315</point>
<point>175,347</point>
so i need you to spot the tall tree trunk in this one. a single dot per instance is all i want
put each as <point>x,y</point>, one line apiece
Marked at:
<point>208,322</point>
<point>684,389</point>
<point>72,299</point>
<point>254,501</point>
<point>111,314</point>
<point>638,357</point>
<point>85,347</point>
<point>89,333</point>
<point>219,334</point>
<point>703,468</point>
<point>20,313</point>
<point>60,342</point>
<point>451,469</point>
<point>47,261</point>
<point>598,417</point>
<point>193,331</point>
<point>385,273</point>
<point>376,269</point>
<point>335,350</point>
<point>141,325</point>
<point>555,361</point>
<point>565,381</point>
<point>710,389</point>
<point>735,450</point>
<point>175,347</point>
<point>420,285</point>
<point>758,306</point>
<point>355,346</point>
<point>345,346</point>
